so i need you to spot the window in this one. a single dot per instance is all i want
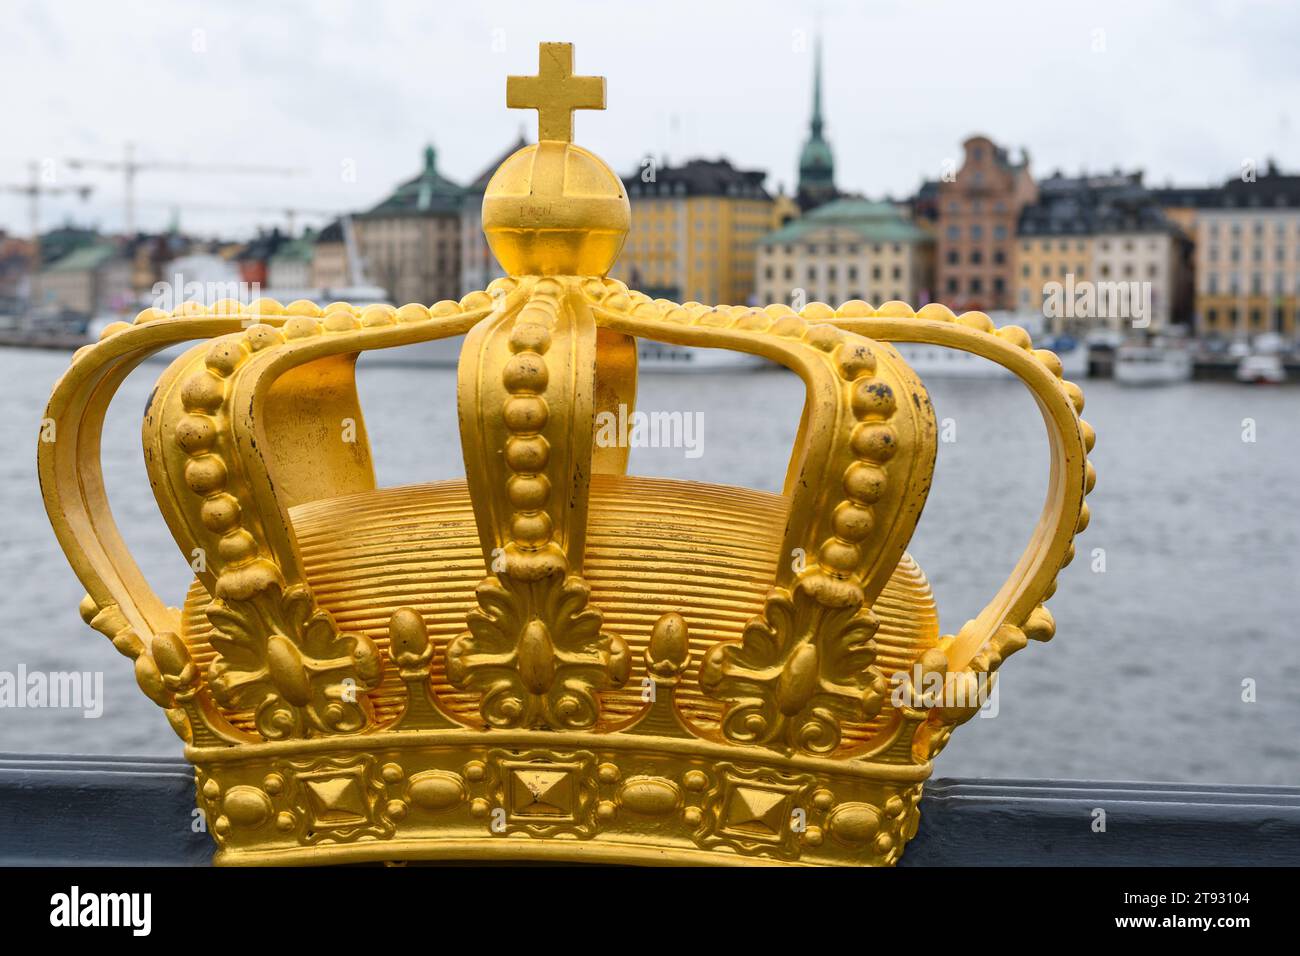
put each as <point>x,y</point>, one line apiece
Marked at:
<point>999,232</point>
<point>953,257</point>
<point>998,285</point>
<point>976,257</point>
<point>976,285</point>
<point>977,232</point>
<point>898,272</point>
<point>999,256</point>
<point>952,286</point>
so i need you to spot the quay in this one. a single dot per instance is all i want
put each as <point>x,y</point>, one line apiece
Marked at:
<point>106,810</point>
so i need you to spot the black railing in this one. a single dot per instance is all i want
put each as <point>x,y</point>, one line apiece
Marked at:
<point>86,810</point>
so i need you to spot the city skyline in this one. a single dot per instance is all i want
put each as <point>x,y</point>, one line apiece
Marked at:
<point>358,94</point>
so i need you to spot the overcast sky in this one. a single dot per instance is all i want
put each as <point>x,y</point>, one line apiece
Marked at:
<point>1185,90</point>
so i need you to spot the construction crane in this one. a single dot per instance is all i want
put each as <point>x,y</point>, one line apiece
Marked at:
<point>289,212</point>
<point>35,189</point>
<point>129,166</point>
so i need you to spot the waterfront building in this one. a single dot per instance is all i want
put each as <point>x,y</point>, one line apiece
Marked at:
<point>1247,259</point>
<point>254,259</point>
<point>290,266</point>
<point>1101,230</point>
<point>847,249</point>
<point>978,211</point>
<point>17,256</point>
<point>695,231</point>
<point>329,261</point>
<point>88,280</point>
<point>410,242</point>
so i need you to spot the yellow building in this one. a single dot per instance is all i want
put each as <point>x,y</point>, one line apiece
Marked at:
<point>1248,259</point>
<point>1049,258</point>
<point>695,231</point>
<point>847,249</point>
<point>1089,245</point>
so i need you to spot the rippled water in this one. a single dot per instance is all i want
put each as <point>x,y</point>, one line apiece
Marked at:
<point>1200,531</point>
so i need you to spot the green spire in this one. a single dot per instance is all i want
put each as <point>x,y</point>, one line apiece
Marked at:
<point>816,164</point>
<point>817,90</point>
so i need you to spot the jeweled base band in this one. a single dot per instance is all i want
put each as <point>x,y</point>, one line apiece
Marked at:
<point>444,795</point>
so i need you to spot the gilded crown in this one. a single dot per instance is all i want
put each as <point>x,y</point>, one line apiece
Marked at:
<point>549,659</point>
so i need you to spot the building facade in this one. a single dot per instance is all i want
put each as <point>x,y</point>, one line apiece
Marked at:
<point>329,259</point>
<point>978,211</point>
<point>1247,256</point>
<point>410,242</point>
<point>86,281</point>
<point>847,249</point>
<point>289,268</point>
<point>1090,238</point>
<point>695,231</point>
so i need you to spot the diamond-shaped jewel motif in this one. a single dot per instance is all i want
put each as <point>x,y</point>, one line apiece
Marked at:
<point>541,793</point>
<point>757,811</point>
<point>337,800</point>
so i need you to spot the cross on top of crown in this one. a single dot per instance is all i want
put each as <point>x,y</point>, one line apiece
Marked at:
<point>555,92</point>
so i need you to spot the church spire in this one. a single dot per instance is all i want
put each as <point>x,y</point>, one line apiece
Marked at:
<point>816,163</point>
<point>817,89</point>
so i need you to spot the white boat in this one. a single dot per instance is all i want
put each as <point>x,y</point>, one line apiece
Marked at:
<point>1261,368</point>
<point>1152,364</point>
<point>660,357</point>
<point>935,361</point>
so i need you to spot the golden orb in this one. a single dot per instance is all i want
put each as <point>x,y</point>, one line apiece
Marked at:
<point>555,209</point>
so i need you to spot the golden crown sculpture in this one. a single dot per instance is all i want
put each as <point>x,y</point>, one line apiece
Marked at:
<point>550,659</point>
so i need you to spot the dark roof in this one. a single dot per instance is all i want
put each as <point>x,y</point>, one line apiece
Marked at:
<point>699,177</point>
<point>429,193</point>
<point>1084,205</point>
<point>331,233</point>
<point>1270,188</point>
<point>479,185</point>
<point>262,246</point>
<point>57,243</point>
